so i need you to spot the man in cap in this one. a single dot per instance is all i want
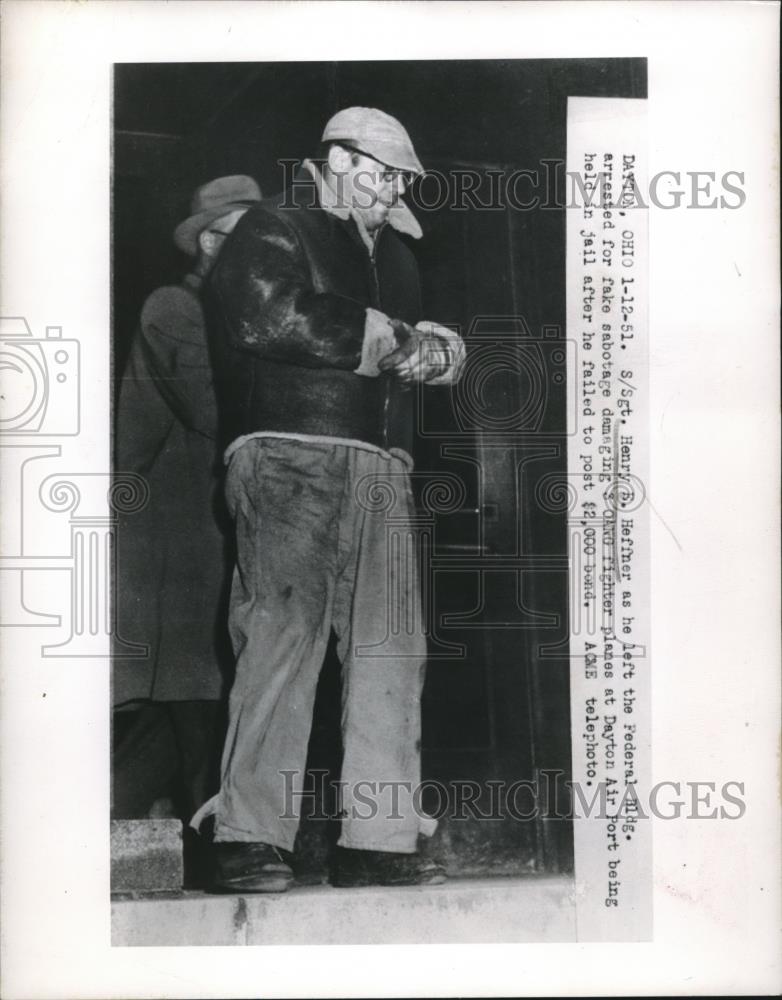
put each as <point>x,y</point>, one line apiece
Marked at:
<point>317,335</point>
<point>171,561</point>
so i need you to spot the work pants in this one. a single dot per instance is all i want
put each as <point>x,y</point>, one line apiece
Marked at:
<point>324,540</point>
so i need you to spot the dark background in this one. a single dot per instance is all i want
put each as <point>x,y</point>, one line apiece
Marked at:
<point>498,708</point>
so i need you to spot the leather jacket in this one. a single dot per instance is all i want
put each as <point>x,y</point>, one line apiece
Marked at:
<point>287,303</point>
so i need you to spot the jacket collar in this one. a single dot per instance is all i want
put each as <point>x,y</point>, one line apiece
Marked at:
<point>400,217</point>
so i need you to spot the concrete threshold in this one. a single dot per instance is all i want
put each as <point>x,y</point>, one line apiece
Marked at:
<point>488,910</point>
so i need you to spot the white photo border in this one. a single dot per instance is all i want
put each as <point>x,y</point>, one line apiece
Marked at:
<point>714,439</point>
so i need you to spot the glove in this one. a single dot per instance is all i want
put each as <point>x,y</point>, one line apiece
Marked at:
<point>421,355</point>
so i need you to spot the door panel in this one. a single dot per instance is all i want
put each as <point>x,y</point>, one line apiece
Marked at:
<point>497,571</point>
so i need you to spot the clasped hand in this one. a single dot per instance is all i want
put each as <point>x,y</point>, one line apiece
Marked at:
<point>418,358</point>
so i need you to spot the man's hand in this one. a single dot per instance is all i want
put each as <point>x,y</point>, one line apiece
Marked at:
<point>418,358</point>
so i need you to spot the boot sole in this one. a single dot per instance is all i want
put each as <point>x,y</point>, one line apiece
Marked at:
<point>258,884</point>
<point>366,882</point>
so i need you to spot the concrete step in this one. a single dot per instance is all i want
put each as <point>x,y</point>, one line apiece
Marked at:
<point>146,855</point>
<point>526,909</point>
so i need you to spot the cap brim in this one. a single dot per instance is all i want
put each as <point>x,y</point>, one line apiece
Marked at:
<point>186,233</point>
<point>411,165</point>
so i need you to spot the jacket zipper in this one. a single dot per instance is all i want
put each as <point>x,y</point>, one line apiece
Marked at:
<point>373,268</point>
<point>377,305</point>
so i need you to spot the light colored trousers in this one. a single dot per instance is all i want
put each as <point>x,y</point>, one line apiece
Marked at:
<point>324,540</point>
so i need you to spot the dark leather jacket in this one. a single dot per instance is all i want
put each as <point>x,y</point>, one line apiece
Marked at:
<point>287,303</point>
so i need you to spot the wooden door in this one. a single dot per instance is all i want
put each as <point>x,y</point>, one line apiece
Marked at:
<point>496,702</point>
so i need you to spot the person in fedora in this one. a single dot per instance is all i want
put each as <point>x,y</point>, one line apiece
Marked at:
<point>172,555</point>
<point>317,340</point>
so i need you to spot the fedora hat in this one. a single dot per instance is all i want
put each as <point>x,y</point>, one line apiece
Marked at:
<point>212,201</point>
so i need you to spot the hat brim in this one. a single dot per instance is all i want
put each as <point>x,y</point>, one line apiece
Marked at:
<point>186,233</point>
<point>403,162</point>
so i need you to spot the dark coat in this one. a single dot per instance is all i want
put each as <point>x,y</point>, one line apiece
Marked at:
<point>171,555</point>
<point>288,299</point>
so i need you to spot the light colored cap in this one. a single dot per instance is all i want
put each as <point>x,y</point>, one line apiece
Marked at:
<point>375,133</point>
<point>212,201</point>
